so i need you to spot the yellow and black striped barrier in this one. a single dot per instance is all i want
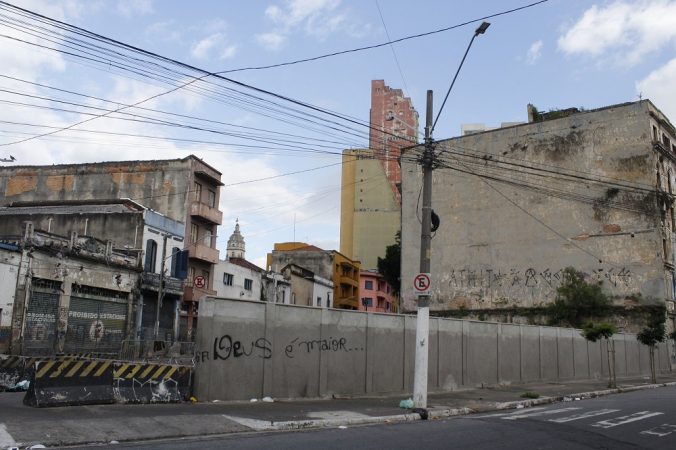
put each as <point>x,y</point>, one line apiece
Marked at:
<point>70,382</point>
<point>151,383</point>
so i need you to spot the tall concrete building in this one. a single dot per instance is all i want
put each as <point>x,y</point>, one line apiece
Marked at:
<point>589,189</point>
<point>186,190</point>
<point>371,178</point>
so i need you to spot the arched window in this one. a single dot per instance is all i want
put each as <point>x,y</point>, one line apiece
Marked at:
<point>151,256</point>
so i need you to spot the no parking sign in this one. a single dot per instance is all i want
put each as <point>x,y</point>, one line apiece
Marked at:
<point>421,283</point>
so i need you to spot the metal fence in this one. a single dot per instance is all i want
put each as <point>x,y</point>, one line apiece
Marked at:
<point>165,351</point>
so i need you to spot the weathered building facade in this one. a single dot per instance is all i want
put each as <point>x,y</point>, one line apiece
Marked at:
<point>186,190</point>
<point>592,189</point>
<point>328,265</point>
<point>370,212</point>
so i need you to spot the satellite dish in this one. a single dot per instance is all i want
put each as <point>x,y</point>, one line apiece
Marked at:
<point>38,241</point>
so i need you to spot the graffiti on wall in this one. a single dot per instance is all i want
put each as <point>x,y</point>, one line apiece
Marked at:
<point>531,278</point>
<point>225,347</point>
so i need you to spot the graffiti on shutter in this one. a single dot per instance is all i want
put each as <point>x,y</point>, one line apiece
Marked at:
<point>41,315</point>
<point>95,325</point>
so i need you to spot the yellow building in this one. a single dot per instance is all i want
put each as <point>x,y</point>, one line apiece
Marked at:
<point>329,264</point>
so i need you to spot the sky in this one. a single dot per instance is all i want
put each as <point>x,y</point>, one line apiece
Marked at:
<point>280,160</point>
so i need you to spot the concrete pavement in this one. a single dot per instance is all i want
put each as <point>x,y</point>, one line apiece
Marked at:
<point>24,426</point>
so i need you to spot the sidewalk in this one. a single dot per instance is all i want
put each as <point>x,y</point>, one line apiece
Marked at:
<point>105,423</point>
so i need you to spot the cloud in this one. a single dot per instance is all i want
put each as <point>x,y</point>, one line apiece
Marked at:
<point>534,52</point>
<point>621,31</point>
<point>271,41</point>
<point>317,18</point>
<point>131,8</point>
<point>164,31</point>
<point>659,87</point>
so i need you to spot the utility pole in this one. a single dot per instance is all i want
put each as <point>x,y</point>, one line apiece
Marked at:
<point>159,291</point>
<point>423,320</point>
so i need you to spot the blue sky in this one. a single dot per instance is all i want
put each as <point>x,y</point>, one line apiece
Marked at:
<point>557,54</point>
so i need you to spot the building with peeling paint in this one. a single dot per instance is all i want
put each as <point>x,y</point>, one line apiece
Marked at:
<point>370,211</point>
<point>589,189</point>
<point>186,190</point>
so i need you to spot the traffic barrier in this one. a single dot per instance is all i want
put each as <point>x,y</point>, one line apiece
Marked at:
<point>11,370</point>
<point>151,383</point>
<point>70,383</point>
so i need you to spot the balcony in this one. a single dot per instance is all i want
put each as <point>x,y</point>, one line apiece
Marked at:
<point>203,253</point>
<point>206,213</point>
<point>151,282</point>
<point>348,280</point>
<point>192,294</point>
<point>350,302</point>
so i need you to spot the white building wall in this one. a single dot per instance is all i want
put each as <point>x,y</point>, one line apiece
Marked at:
<point>239,275</point>
<point>9,269</point>
<point>322,292</point>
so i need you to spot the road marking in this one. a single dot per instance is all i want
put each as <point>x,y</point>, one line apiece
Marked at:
<point>524,411</point>
<point>329,415</point>
<point>661,431</point>
<point>539,413</point>
<point>600,412</point>
<point>251,423</point>
<point>625,419</point>
<point>6,439</point>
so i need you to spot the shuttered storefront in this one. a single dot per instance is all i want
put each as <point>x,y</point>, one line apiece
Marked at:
<point>95,324</point>
<point>40,329</point>
<point>166,328</point>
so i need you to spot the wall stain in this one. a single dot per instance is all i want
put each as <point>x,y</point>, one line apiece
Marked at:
<point>60,182</point>
<point>128,178</point>
<point>20,184</point>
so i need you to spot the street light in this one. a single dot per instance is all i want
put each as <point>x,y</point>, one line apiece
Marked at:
<point>423,319</point>
<point>391,118</point>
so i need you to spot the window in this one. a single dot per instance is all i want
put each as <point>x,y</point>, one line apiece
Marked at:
<point>293,298</point>
<point>191,275</point>
<point>207,237</point>
<point>197,190</point>
<point>369,285</point>
<point>283,296</point>
<point>654,133</point>
<point>175,261</point>
<point>193,233</point>
<point>205,274</point>
<point>666,141</point>
<point>388,288</point>
<point>367,301</point>
<point>248,284</point>
<point>319,301</point>
<point>211,198</point>
<point>227,279</point>
<point>151,256</point>
<point>387,305</point>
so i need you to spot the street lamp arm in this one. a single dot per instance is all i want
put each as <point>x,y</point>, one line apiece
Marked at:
<point>481,30</point>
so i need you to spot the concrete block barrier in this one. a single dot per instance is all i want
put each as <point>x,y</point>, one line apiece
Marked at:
<point>70,383</point>
<point>11,370</point>
<point>151,383</point>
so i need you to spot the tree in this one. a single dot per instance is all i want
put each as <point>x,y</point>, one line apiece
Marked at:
<point>653,333</point>
<point>577,300</point>
<point>604,330</point>
<point>390,266</point>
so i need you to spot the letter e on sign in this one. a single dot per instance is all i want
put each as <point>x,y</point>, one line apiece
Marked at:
<point>421,284</point>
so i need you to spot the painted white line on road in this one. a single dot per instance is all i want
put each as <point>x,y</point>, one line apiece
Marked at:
<point>662,430</point>
<point>600,412</point>
<point>539,413</point>
<point>523,411</point>
<point>6,439</point>
<point>625,419</point>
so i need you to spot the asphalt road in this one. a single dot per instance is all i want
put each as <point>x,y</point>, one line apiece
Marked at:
<point>638,420</point>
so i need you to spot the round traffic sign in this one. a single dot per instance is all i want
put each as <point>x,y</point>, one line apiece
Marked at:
<point>422,282</point>
<point>200,282</point>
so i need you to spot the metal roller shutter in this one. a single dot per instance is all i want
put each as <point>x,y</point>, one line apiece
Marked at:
<point>166,319</point>
<point>95,325</point>
<point>40,330</point>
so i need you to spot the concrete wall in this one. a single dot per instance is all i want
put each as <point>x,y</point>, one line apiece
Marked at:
<point>256,349</point>
<point>495,190</point>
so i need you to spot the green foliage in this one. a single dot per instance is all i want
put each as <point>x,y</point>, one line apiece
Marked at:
<point>593,333</point>
<point>654,332</point>
<point>530,395</point>
<point>577,300</point>
<point>390,266</point>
